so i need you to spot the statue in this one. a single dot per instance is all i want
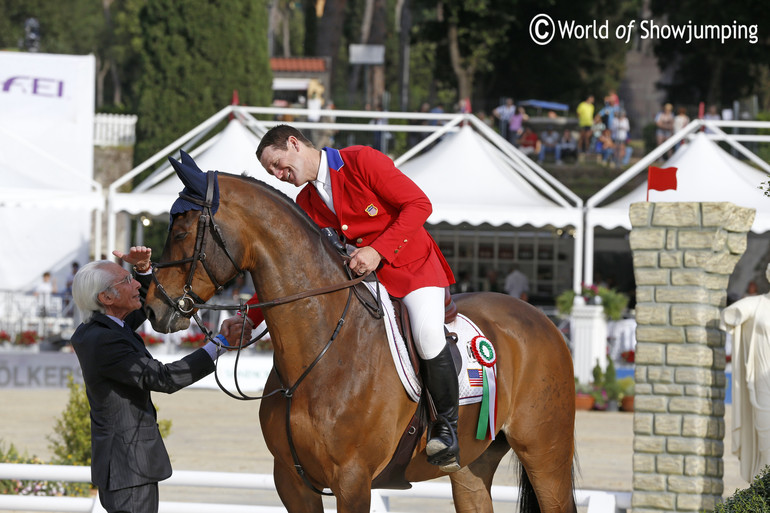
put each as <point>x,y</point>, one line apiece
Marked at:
<point>748,321</point>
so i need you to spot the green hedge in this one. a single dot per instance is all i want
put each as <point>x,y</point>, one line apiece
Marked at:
<point>754,499</point>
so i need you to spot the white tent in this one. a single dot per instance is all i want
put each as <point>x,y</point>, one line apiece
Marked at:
<point>46,165</point>
<point>230,151</point>
<point>705,172</point>
<point>468,180</point>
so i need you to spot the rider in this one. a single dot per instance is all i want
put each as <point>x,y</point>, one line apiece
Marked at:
<point>360,193</point>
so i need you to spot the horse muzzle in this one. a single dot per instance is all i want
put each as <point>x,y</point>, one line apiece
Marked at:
<point>167,320</point>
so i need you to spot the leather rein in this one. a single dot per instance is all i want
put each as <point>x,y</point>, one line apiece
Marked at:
<point>189,301</point>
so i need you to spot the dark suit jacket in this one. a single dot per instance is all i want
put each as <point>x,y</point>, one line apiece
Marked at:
<point>119,373</point>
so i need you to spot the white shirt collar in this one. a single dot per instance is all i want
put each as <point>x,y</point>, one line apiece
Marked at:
<point>323,171</point>
<point>119,321</point>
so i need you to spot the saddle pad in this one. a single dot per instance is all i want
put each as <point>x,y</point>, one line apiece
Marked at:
<point>470,377</point>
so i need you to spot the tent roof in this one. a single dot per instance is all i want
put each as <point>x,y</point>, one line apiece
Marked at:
<point>705,172</point>
<point>230,151</point>
<point>469,180</point>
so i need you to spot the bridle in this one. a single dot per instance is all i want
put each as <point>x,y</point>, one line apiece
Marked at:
<point>189,300</point>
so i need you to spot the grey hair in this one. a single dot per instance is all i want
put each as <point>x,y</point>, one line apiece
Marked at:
<point>91,280</point>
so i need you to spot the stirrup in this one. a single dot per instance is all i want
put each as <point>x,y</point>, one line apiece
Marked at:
<point>448,458</point>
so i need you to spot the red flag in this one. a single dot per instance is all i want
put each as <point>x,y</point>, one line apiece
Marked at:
<point>235,101</point>
<point>660,179</point>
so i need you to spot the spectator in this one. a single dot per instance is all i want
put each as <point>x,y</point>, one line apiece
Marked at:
<point>711,115</point>
<point>585,113</point>
<point>529,144</point>
<point>515,125</point>
<point>568,144</point>
<point>517,284</point>
<point>620,129</point>
<point>44,290</point>
<point>680,121</point>
<point>664,124</point>
<point>597,128</point>
<point>607,151</point>
<point>549,143</point>
<point>503,113</point>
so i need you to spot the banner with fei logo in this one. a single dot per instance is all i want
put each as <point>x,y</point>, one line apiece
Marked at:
<point>47,194</point>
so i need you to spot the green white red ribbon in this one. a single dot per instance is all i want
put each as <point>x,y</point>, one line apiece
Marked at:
<point>485,354</point>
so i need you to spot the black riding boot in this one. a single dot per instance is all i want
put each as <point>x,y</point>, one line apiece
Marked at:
<point>440,378</point>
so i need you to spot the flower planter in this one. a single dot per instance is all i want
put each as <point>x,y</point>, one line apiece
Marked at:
<point>627,403</point>
<point>584,402</point>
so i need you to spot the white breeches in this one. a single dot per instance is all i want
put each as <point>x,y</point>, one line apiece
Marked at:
<point>426,312</point>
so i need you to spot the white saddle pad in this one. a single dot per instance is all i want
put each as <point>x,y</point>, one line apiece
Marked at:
<point>470,377</point>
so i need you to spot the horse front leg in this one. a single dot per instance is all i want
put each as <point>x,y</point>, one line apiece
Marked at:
<point>295,495</point>
<point>353,489</point>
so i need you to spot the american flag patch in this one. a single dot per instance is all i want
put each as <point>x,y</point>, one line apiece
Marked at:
<point>475,378</point>
<point>371,210</point>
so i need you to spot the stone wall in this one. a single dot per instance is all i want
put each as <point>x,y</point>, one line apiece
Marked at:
<point>683,256</point>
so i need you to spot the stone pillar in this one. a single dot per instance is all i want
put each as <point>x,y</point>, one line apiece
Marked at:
<point>588,331</point>
<point>683,256</point>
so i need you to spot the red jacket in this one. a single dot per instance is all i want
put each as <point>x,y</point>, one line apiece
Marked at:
<point>377,205</point>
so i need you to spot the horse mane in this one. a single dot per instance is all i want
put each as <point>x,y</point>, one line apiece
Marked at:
<point>279,196</point>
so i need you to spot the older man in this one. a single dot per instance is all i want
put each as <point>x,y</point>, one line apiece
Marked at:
<point>128,457</point>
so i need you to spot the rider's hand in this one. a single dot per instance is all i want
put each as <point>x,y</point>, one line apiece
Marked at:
<point>364,260</point>
<point>138,256</point>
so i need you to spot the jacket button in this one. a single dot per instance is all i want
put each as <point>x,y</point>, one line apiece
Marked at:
<point>405,241</point>
<point>395,251</point>
<point>344,227</point>
<point>359,240</point>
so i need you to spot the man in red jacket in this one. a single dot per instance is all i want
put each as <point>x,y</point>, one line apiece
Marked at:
<point>360,193</point>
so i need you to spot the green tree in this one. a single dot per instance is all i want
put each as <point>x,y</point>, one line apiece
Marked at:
<point>192,56</point>
<point>712,70</point>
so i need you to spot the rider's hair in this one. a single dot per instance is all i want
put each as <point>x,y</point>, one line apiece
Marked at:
<point>278,136</point>
<point>91,280</point>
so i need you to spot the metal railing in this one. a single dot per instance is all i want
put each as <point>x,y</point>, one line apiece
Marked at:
<point>595,500</point>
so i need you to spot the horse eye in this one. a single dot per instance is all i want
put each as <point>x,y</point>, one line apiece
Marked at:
<point>181,235</point>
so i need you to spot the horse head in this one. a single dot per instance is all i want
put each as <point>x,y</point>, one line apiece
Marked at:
<point>198,257</point>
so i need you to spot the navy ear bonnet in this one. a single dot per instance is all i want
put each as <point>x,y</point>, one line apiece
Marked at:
<point>195,183</point>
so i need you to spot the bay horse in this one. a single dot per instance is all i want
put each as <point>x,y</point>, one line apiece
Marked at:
<point>348,407</point>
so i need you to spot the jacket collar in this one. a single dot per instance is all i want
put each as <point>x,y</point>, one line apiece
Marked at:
<point>334,158</point>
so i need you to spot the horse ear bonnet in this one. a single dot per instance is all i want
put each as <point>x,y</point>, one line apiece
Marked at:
<point>195,184</point>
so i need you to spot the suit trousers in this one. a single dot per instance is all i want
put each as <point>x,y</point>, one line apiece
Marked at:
<point>135,499</point>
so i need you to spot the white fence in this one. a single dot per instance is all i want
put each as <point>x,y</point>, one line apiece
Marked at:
<point>114,130</point>
<point>596,501</point>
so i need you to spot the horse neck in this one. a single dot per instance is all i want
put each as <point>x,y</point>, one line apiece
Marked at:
<point>286,256</point>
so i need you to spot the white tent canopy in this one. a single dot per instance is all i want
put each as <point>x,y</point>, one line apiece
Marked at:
<point>230,151</point>
<point>705,172</point>
<point>469,181</point>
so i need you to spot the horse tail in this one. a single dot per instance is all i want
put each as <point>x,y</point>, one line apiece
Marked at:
<point>527,498</point>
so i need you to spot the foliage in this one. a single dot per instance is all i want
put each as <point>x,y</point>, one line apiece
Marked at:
<point>627,386</point>
<point>712,70</point>
<point>71,441</point>
<point>614,302</point>
<point>754,499</point>
<point>194,341</point>
<point>27,338</point>
<point>605,386</point>
<point>37,488</point>
<point>150,340</point>
<point>193,55</point>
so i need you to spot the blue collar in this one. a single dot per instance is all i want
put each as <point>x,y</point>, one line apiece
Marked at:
<point>334,158</point>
